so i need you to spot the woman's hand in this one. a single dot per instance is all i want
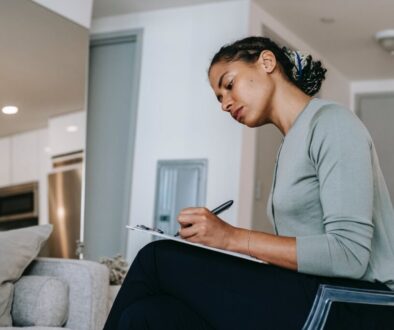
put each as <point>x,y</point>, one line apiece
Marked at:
<point>199,225</point>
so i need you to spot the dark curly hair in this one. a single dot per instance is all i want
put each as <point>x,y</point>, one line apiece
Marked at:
<point>300,69</point>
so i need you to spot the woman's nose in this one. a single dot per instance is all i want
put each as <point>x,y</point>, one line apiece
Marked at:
<point>227,104</point>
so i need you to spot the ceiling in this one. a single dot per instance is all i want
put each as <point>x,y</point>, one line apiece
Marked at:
<point>103,8</point>
<point>42,67</point>
<point>44,56</point>
<point>347,43</point>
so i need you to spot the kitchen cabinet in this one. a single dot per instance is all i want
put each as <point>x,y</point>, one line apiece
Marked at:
<point>44,168</point>
<point>67,133</point>
<point>5,167</point>
<point>24,157</point>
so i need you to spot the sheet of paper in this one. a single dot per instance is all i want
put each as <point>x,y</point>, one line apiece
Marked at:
<point>178,239</point>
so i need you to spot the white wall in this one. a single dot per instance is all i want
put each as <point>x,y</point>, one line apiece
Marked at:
<point>178,115</point>
<point>78,11</point>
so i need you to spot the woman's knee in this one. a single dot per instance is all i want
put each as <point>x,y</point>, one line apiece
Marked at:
<point>151,249</point>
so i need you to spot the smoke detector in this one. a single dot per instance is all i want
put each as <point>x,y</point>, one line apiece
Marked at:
<point>386,40</point>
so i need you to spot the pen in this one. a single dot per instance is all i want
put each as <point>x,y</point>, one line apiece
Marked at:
<point>222,207</point>
<point>217,210</point>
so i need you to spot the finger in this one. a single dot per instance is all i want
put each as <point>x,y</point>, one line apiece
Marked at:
<point>188,231</point>
<point>188,219</point>
<point>194,210</point>
<point>184,222</point>
<point>197,217</point>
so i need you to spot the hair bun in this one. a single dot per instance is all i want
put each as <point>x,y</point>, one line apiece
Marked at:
<point>307,74</point>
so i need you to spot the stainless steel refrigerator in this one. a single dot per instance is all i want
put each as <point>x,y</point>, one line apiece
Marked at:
<point>64,190</point>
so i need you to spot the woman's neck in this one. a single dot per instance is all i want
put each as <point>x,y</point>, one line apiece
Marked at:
<point>288,103</point>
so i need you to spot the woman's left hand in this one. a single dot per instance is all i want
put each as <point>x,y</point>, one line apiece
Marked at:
<point>199,225</point>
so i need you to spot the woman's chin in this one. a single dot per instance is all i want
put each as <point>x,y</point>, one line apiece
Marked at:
<point>251,120</point>
<point>249,123</point>
<point>254,122</point>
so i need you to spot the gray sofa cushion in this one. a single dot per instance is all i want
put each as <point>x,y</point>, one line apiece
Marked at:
<point>17,249</point>
<point>40,301</point>
<point>6,293</point>
<point>88,283</point>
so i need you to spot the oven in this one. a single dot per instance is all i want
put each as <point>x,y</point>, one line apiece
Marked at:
<point>19,206</point>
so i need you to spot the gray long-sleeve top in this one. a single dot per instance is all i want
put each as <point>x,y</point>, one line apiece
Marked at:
<point>328,191</point>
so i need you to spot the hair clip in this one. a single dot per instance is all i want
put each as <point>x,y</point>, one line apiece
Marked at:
<point>298,64</point>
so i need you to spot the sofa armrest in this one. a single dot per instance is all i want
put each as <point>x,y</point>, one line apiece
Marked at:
<point>88,283</point>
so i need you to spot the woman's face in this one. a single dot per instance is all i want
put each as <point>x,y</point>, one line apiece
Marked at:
<point>244,90</point>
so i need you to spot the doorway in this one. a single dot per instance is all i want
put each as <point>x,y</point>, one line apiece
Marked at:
<point>377,113</point>
<point>111,124</point>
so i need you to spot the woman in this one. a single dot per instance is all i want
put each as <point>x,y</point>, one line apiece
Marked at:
<point>329,205</point>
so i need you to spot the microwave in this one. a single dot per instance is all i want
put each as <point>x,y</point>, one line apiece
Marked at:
<point>19,202</point>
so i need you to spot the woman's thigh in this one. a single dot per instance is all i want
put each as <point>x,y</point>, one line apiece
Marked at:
<point>229,292</point>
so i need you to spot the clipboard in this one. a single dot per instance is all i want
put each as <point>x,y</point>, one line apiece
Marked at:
<point>144,229</point>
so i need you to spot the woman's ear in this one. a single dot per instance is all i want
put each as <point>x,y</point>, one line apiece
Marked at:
<point>267,61</point>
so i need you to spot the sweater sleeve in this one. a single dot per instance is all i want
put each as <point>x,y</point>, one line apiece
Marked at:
<point>340,149</point>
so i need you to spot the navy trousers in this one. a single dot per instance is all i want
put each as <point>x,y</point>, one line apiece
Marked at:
<point>177,286</point>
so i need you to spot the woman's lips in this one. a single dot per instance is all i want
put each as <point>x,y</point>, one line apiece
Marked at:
<point>238,113</point>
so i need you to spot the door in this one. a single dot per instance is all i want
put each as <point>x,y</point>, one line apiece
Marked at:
<point>377,113</point>
<point>110,142</point>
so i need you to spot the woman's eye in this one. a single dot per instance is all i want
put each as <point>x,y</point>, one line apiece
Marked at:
<point>229,85</point>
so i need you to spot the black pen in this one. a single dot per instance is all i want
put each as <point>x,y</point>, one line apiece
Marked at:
<point>217,210</point>
<point>222,207</point>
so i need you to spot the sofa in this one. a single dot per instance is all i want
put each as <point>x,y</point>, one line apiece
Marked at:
<point>79,292</point>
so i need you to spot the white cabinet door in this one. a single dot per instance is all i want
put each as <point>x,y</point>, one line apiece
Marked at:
<point>67,133</point>
<point>24,157</point>
<point>5,166</point>
<point>44,168</point>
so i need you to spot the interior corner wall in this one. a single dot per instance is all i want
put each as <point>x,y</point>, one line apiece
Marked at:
<point>336,87</point>
<point>78,11</point>
<point>261,146</point>
<point>178,116</point>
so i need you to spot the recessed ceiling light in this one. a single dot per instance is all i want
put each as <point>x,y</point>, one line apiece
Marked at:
<point>327,20</point>
<point>9,110</point>
<point>72,128</point>
<point>386,40</point>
